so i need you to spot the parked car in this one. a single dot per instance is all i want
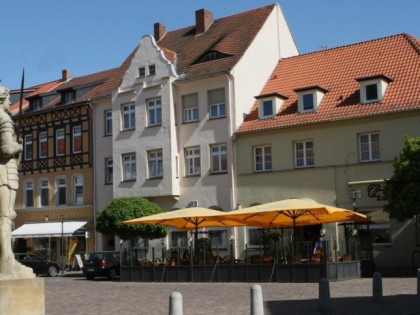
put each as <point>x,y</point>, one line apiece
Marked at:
<point>102,264</point>
<point>38,265</point>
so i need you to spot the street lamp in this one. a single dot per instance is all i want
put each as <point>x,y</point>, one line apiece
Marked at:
<point>62,243</point>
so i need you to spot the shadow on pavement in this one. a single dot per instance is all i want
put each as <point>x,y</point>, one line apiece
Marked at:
<point>390,305</point>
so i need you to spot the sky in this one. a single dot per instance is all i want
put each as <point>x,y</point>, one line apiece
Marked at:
<point>87,36</point>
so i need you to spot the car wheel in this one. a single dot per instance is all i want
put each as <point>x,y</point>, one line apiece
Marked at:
<point>52,271</point>
<point>112,274</point>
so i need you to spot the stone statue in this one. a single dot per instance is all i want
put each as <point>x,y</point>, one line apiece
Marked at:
<point>10,151</point>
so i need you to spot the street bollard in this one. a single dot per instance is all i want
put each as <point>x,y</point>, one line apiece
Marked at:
<point>257,306</point>
<point>377,287</point>
<point>418,282</point>
<point>324,296</point>
<point>175,303</point>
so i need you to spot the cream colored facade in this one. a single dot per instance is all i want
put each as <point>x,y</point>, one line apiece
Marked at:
<point>336,173</point>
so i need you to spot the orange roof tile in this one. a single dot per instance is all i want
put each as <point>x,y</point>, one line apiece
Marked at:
<point>337,70</point>
<point>230,36</point>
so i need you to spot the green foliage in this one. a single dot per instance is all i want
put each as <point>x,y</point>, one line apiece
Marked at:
<point>110,220</point>
<point>402,190</point>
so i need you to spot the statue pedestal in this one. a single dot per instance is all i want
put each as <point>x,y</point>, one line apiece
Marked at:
<point>22,296</point>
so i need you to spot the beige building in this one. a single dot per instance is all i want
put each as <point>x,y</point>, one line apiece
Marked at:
<point>327,126</point>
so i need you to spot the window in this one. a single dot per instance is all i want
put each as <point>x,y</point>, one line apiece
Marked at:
<point>61,191</point>
<point>155,164</point>
<point>142,72</point>
<point>78,194</point>
<point>373,88</point>
<point>155,112</point>
<point>129,167</point>
<point>369,147</point>
<point>179,239</point>
<point>69,97</point>
<point>218,238</point>
<point>192,161</point>
<point>28,147</point>
<point>262,159</point>
<point>77,139</point>
<point>152,69</point>
<point>43,144</point>
<point>190,106</point>
<point>60,144</point>
<point>304,154</point>
<point>217,103</point>
<point>44,192</point>
<point>219,158</point>
<point>109,171</point>
<point>255,237</point>
<point>108,122</point>
<point>29,193</point>
<point>36,103</point>
<point>308,102</point>
<point>128,113</point>
<point>267,108</point>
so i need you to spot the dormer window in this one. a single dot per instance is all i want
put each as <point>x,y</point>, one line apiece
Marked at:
<point>269,105</point>
<point>372,89</point>
<point>69,97</point>
<point>36,103</point>
<point>310,98</point>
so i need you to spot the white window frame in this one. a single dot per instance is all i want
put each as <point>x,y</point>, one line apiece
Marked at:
<point>218,105</point>
<point>190,108</point>
<point>369,147</point>
<point>42,139</point>
<point>270,104</point>
<point>151,70</point>
<point>44,185</point>
<point>154,109</point>
<point>381,84</point>
<point>304,154</point>
<point>180,238</point>
<point>219,157</point>
<point>129,167</point>
<point>317,94</point>
<point>108,122</point>
<point>76,133</point>
<point>142,71</point>
<point>28,145</point>
<point>61,182</point>
<point>192,161</point>
<point>78,189</point>
<point>109,171</point>
<point>155,161</point>
<point>128,112</point>
<point>29,187</point>
<point>60,135</point>
<point>252,242</point>
<point>263,161</point>
<point>69,97</point>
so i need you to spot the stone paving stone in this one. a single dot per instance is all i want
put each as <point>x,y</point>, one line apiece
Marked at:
<point>74,295</point>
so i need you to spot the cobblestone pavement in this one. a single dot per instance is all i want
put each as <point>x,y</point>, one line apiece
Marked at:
<point>74,295</point>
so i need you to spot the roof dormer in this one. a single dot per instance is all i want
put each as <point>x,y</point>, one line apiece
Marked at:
<point>310,98</point>
<point>373,88</point>
<point>269,104</point>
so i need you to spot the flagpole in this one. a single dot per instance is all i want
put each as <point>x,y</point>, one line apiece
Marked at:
<point>19,120</point>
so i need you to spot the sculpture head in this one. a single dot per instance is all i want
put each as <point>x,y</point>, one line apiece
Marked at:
<point>4,98</point>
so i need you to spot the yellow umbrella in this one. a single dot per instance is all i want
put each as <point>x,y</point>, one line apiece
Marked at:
<point>292,213</point>
<point>188,219</point>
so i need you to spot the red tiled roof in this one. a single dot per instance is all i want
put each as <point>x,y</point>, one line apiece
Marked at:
<point>336,70</point>
<point>230,36</point>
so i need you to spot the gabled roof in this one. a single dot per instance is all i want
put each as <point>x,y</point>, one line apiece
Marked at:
<point>337,70</point>
<point>230,36</point>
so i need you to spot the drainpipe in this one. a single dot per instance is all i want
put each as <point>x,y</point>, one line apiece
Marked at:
<point>92,154</point>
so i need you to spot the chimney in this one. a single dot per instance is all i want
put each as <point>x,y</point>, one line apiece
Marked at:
<point>160,31</point>
<point>203,20</point>
<point>66,75</point>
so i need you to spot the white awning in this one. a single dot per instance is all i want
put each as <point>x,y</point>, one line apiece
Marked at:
<point>48,229</point>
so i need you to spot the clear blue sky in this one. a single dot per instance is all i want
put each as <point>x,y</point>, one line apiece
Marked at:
<point>88,36</point>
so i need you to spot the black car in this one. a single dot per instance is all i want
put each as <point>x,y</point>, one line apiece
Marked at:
<point>38,265</point>
<point>102,264</point>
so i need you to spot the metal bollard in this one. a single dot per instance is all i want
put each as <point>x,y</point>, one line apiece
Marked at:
<point>257,306</point>
<point>377,287</point>
<point>324,295</point>
<point>418,282</point>
<point>175,303</point>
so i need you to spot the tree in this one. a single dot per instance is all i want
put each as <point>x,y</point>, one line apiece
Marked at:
<point>110,220</point>
<point>402,190</point>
